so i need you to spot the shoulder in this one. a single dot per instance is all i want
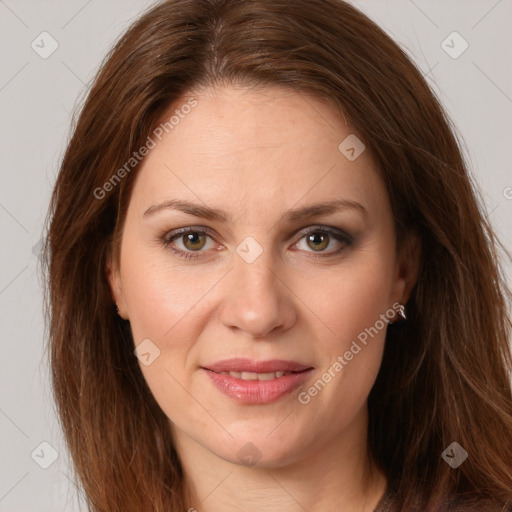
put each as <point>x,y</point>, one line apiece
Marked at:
<point>458,503</point>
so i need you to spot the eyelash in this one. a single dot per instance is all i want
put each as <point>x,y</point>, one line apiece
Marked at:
<point>337,234</point>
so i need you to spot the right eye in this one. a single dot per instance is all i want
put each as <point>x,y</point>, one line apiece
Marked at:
<point>191,240</point>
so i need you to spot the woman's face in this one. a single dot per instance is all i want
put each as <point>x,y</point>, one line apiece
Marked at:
<point>289,265</point>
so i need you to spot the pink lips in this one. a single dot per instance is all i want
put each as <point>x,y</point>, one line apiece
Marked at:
<point>246,365</point>
<point>257,391</point>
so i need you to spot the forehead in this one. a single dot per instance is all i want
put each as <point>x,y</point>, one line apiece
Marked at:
<point>268,146</point>
<point>227,121</point>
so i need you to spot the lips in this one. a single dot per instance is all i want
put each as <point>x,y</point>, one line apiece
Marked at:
<point>255,375</point>
<point>257,382</point>
<point>247,365</point>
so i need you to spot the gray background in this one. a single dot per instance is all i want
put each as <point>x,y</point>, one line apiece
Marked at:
<point>37,98</point>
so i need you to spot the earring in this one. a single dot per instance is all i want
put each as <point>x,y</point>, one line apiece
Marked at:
<point>401,314</point>
<point>116,307</point>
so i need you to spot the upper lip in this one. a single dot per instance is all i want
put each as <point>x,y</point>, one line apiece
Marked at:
<point>247,365</point>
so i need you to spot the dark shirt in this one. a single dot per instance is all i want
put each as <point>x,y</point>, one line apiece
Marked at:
<point>388,503</point>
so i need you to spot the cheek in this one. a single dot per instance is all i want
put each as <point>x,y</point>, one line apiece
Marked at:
<point>163,315</point>
<point>157,294</point>
<point>164,306</point>
<point>355,307</point>
<point>353,297</point>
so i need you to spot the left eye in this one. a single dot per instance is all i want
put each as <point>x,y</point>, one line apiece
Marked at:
<point>316,240</point>
<point>320,239</point>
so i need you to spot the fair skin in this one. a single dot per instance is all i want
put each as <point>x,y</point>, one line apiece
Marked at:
<point>257,154</point>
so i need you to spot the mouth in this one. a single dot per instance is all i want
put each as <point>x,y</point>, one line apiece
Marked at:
<point>242,366</point>
<point>255,376</point>
<point>256,382</point>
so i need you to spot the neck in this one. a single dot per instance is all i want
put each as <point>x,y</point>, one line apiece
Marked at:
<point>337,475</point>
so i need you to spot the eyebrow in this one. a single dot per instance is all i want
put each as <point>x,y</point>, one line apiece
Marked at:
<point>292,216</point>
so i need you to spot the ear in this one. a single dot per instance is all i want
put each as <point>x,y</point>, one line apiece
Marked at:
<point>113,274</point>
<point>407,268</point>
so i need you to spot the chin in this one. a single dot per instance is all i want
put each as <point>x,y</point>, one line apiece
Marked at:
<point>260,450</point>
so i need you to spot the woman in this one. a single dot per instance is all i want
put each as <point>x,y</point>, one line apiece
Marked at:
<point>252,193</point>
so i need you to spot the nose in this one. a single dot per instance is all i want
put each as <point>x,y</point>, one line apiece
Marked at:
<point>257,299</point>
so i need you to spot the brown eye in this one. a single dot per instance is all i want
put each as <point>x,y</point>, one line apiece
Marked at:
<point>188,243</point>
<point>318,241</point>
<point>325,241</point>
<point>194,241</point>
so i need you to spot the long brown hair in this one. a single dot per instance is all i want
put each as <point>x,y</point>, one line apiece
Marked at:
<point>445,372</point>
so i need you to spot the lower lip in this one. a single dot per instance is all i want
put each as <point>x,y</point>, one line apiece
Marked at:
<point>257,391</point>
